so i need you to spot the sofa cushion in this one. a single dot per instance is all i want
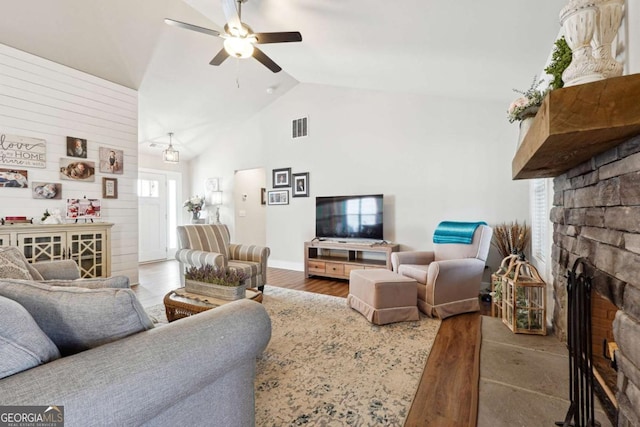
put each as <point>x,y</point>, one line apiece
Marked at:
<point>205,237</point>
<point>23,345</point>
<point>250,269</point>
<point>13,265</point>
<point>75,318</point>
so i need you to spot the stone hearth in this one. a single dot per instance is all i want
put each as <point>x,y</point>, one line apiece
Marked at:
<point>596,216</point>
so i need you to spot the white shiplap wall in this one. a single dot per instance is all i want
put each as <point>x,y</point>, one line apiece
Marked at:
<point>42,99</point>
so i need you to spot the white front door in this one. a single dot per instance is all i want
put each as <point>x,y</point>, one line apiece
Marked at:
<point>152,216</point>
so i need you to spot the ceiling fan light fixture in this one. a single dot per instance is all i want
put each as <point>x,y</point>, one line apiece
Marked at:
<point>171,155</point>
<point>239,38</point>
<point>239,47</point>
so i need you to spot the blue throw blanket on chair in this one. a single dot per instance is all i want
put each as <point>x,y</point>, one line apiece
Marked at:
<point>456,232</point>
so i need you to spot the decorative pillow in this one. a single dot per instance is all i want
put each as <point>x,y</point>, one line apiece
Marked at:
<point>13,264</point>
<point>23,345</point>
<point>77,319</point>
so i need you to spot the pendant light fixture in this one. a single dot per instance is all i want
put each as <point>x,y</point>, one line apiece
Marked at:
<point>170,155</point>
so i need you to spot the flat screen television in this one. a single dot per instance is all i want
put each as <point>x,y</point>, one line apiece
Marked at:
<point>349,217</point>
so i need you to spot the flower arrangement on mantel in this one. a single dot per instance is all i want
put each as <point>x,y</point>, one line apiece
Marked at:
<point>194,204</point>
<point>528,104</point>
<point>214,281</point>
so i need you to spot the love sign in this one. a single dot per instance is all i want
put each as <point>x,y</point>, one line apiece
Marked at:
<point>23,151</point>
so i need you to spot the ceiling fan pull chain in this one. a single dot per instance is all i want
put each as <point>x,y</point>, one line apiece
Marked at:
<point>238,73</point>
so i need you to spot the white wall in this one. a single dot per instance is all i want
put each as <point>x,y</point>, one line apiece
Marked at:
<point>250,213</point>
<point>241,149</point>
<point>42,99</point>
<point>433,158</point>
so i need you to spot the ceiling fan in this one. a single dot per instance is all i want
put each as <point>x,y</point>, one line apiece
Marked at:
<point>239,38</point>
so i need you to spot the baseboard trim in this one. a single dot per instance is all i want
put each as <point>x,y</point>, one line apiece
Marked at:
<point>287,265</point>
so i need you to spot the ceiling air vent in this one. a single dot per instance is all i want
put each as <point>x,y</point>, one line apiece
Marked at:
<point>299,128</point>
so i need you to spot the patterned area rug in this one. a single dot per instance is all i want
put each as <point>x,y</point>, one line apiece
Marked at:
<point>326,365</point>
<point>157,313</point>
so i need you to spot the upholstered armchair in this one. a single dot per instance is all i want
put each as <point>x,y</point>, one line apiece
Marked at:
<point>448,277</point>
<point>201,244</point>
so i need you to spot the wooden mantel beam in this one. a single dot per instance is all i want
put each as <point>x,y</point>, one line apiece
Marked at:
<point>576,123</point>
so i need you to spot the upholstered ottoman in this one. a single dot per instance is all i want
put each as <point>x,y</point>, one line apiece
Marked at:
<point>383,296</point>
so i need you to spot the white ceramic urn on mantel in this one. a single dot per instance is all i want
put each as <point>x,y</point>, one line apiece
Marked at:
<point>607,25</point>
<point>590,27</point>
<point>578,18</point>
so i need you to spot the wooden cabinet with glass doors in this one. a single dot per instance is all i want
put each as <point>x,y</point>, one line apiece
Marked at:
<point>89,245</point>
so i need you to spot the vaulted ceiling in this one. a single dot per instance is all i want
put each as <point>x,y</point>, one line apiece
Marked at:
<point>463,48</point>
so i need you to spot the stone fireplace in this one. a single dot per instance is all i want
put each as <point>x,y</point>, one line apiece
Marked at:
<point>587,137</point>
<point>596,216</point>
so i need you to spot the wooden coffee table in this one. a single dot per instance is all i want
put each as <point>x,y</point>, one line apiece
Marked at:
<point>179,304</point>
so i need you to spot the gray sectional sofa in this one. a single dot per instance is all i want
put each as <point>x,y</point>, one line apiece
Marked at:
<point>194,371</point>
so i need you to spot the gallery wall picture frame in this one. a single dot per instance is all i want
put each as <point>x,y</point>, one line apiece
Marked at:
<point>75,170</point>
<point>76,147</point>
<point>109,188</point>
<point>14,178</point>
<point>22,151</point>
<point>278,197</point>
<point>281,178</point>
<point>263,196</point>
<point>46,190</point>
<point>212,184</point>
<point>110,160</point>
<point>300,187</point>
<point>83,209</point>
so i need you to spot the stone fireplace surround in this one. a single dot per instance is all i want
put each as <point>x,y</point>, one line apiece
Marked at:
<point>596,215</point>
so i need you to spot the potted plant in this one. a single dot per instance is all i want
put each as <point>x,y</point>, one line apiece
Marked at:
<point>524,109</point>
<point>560,60</point>
<point>510,240</point>
<point>528,104</point>
<point>214,281</point>
<point>194,205</point>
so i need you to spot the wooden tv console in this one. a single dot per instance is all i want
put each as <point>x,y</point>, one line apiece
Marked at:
<point>337,259</point>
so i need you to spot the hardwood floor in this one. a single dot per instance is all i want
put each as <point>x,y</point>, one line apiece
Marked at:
<point>448,391</point>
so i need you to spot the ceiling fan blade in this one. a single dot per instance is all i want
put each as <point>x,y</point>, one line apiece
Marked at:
<point>281,37</point>
<point>219,58</point>
<point>192,27</point>
<point>231,13</point>
<point>265,60</point>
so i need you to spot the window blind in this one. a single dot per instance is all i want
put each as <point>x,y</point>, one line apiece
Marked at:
<point>539,219</point>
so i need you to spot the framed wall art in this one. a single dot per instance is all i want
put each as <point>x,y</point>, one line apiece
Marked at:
<point>109,188</point>
<point>263,196</point>
<point>212,184</point>
<point>15,178</point>
<point>281,178</point>
<point>300,185</point>
<point>279,197</point>
<point>23,151</point>
<point>77,170</point>
<point>76,147</point>
<point>111,160</point>
<point>46,190</point>
<point>83,208</point>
